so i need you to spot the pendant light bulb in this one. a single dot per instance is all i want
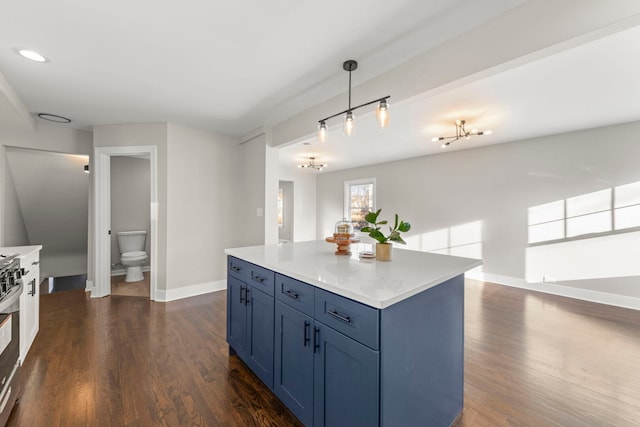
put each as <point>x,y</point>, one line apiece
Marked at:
<point>323,133</point>
<point>382,114</point>
<point>349,123</point>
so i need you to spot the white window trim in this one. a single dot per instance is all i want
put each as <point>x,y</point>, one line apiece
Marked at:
<point>346,204</point>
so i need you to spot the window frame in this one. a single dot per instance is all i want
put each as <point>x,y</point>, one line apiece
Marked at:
<point>346,205</point>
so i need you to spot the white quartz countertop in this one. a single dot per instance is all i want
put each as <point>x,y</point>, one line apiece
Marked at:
<point>22,251</point>
<point>374,283</point>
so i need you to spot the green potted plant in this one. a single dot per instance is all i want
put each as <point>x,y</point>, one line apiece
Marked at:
<point>383,247</point>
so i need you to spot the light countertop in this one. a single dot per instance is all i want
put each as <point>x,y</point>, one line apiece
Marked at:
<point>374,283</point>
<point>22,251</point>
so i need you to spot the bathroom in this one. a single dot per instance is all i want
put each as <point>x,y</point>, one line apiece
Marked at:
<point>130,225</point>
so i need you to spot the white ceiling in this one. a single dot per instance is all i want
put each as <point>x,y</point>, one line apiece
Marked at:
<point>232,67</point>
<point>591,85</point>
<point>226,66</point>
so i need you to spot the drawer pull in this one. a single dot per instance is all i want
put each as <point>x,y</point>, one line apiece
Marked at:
<point>246,295</point>
<point>35,263</point>
<point>243,294</point>
<point>335,314</point>
<point>306,336</point>
<point>258,279</point>
<point>291,294</point>
<point>234,268</point>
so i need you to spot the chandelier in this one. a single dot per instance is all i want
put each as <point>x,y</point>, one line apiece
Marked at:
<point>382,110</point>
<point>461,132</point>
<point>313,165</point>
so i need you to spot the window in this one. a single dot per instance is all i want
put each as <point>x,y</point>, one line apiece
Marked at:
<point>359,198</point>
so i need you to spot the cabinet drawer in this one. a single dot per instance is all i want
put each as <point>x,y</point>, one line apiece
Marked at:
<point>251,274</point>
<point>353,319</point>
<point>261,278</point>
<point>294,293</point>
<point>238,268</point>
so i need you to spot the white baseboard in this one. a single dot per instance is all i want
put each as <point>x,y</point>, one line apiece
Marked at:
<point>556,289</point>
<point>89,286</point>
<point>190,291</point>
<point>122,271</point>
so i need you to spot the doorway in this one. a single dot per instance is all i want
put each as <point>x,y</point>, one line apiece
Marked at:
<point>103,226</point>
<point>130,201</point>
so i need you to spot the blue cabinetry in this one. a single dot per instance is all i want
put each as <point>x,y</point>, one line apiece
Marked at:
<point>325,377</point>
<point>336,362</point>
<point>294,354</point>
<point>346,381</point>
<point>236,315</point>
<point>250,316</point>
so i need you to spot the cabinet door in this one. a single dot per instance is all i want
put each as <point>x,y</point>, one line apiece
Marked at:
<point>29,304</point>
<point>236,315</point>
<point>259,350</point>
<point>346,381</point>
<point>293,379</point>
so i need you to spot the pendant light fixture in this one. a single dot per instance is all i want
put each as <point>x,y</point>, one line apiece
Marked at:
<point>313,165</point>
<point>382,111</point>
<point>461,132</point>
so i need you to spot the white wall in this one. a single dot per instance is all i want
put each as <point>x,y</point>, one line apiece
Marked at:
<point>304,204</point>
<point>203,205</point>
<point>445,195</point>
<point>53,191</point>
<point>39,136</point>
<point>15,232</point>
<point>252,194</point>
<point>130,201</point>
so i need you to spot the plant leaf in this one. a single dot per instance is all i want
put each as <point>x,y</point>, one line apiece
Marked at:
<point>366,229</point>
<point>404,226</point>
<point>376,234</point>
<point>398,239</point>
<point>395,225</point>
<point>371,217</point>
<point>381,222</point>
<point>394,235</point>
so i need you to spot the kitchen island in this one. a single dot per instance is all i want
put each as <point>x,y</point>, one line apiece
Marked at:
<point>350,342</point>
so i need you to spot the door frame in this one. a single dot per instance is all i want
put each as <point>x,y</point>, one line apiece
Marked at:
<point>102,224</point>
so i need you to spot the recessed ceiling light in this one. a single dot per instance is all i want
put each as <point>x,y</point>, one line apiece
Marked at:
<point>54,118</point>
<point>32,55</point>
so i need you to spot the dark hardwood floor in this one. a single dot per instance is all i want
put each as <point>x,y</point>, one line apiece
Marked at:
<point>531,359</point>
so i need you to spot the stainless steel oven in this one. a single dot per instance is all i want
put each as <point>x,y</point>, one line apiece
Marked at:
<point>11,287</point>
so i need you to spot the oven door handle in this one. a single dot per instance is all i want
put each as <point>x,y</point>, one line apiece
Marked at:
<point>12,296</point>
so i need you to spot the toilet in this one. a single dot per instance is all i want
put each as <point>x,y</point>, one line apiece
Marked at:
<point>132,254</point>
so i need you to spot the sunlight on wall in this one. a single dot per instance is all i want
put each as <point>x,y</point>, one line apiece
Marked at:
<point>464,240</point>
<point>598,212</point>
<point>603,252</point>
<point>614,255</point>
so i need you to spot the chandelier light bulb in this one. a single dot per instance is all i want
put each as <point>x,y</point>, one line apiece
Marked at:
<point>382,114</point>
<point>323,134</point>
<point>382,109</point>
<point>349,123</point>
